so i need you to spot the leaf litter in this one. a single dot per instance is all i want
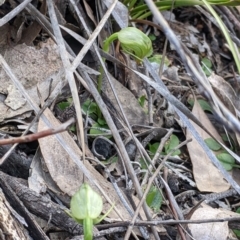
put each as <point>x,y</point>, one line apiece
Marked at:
<point>60,169</point>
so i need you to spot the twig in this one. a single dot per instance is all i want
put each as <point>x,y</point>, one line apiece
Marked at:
<point>68,73</point>
<point>35,136</point>
<point>155,158</point>
<point>167,222</point>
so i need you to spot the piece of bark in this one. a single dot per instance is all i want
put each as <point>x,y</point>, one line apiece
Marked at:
<point>35,231</point>
<point>10,227</point>
<point>16,165</point>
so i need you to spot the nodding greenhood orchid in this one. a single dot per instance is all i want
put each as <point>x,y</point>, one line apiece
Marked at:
<point>85,208</point>
<point>132,41</point>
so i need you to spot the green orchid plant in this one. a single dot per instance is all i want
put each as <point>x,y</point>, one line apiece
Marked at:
<point>133,42</point>
<point>85,208</point>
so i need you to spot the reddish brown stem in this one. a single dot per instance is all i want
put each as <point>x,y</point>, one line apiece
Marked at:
<point>32,137</point>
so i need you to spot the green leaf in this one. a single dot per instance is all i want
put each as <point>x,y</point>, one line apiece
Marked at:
<point>226,160</point>
<point>237,232</point>
<point>72,128</point>
<point>102,122</point>
<point>152,37</point>
<point>95,131</point>
<point>153,148</point>
<point>89,107</point>
<point>154,199</point>
<point>238,210</point>
<point>111,160</point>
<point>63,105</point>
<point>228,139</point>
<point>207,66</point>
<point>157,58</point>
<point>141,100</point>
<point>86,206</point>
<point>203,103</point>
<point>172,143</point>
<point>143,164</point>
<point>191,102</point>
<point>224,137</point>
<point>212,144</point>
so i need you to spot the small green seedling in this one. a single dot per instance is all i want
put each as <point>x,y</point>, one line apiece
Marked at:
<point>212,144</point>
<point>207,66</point>
<point>154,199</point>
<point>92,109</point>
<point>227,161</point>
<point>203,103</point>
<point>157,58</point>
<point>142,100</point>
<point>172,143</point>
<point>225,158</point>
<point>85,208</point>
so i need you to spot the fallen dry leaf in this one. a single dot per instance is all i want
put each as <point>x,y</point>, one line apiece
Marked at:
<point>130,105</point>
<point>224,89</point>
<point>207,177</point>
<point>228,96</point>
<point>33,68</point>
<point>214,230</point>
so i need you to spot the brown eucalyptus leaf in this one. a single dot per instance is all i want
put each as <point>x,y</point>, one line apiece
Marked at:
<point>226,89</point>
<point>90,12</point>
<point>207,177</point>
<point>228,96</point>
<point>130,105</point>
<point>211,230</point>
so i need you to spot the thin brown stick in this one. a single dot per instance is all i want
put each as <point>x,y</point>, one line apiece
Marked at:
<point>32,137</point>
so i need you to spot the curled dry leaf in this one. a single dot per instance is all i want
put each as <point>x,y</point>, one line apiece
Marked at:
<point>207,176</point>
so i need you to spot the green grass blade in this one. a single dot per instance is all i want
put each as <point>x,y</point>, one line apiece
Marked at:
<point>222,26</point>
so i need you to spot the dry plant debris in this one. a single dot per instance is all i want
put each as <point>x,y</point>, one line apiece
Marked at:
<point>161,142</point>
